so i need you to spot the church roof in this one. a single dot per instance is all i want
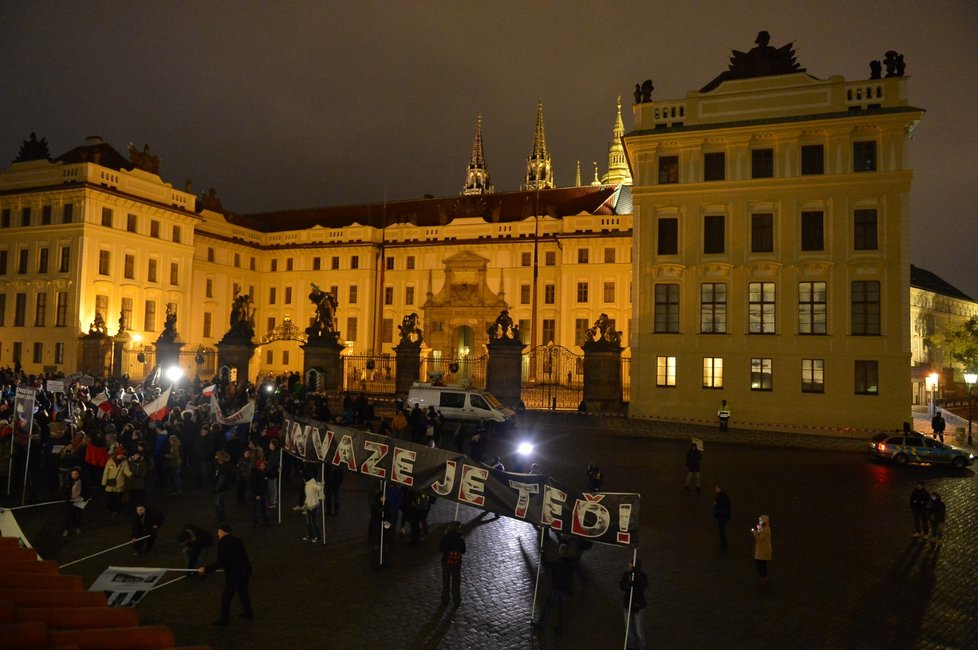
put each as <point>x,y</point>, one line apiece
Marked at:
<point>499,207</point>
<point>96,150</point>
<point>924,279</point>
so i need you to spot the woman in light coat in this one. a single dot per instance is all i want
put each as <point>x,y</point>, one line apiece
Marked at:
<point>762,547</point>
<point>114,479</point>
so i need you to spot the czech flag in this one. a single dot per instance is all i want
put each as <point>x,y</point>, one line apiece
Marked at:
<point>159,408</point>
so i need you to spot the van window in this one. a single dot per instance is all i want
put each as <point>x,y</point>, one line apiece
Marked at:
<point>478,403</point>
<point>452,400</point>
<point>495,403</point>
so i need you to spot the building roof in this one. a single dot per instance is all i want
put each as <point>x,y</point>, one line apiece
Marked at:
<point>96,150</point>
<point>924,279</point>
<point>500,207</point>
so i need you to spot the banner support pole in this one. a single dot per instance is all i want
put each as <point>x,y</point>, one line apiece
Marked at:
<point>383,506</point>
<point>631,595</point>
<point>322,505</point>
<point>278,485</point>
<point>27,462</point>
<point>536,583</point>
<point>87,557</point>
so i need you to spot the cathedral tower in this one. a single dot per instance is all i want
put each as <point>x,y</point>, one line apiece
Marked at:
<point>477,180</point>
<point>617,165</point>
<point>539,174</point>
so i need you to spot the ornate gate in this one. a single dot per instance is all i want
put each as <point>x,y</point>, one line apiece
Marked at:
<point>553,378</point>
<point>467,370</point>
<point>368,373</point>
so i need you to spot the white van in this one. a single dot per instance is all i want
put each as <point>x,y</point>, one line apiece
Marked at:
<point>460,404</point>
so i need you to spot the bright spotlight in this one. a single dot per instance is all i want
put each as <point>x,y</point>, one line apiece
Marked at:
<point>525,448</point>
<point>174,373</point>
<point>269,389</point>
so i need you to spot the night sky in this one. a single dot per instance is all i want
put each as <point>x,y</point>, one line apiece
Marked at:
<point>302,104</point>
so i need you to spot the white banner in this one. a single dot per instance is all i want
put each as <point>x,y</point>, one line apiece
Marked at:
<point>56,386</point>
<point>10,528</point>
<point>126,586</point>
<point>245,414</point>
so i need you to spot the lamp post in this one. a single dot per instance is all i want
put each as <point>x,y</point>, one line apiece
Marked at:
<point>932,387</point>
<point>970,378</point>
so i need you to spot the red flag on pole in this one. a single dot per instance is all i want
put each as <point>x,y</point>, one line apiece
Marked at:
<point>159,408</point>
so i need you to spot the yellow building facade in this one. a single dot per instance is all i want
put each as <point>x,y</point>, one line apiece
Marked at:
<point>771,233</point>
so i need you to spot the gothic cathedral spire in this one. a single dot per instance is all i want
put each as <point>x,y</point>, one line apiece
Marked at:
<point>617,166</point>
<point>539,174</point>
<point>477,180</point>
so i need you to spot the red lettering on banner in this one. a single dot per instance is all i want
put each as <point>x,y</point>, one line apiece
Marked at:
<point>591,519</point>
<point>402,466</point>
<point>296,439</point>
<point>624,517</point>
<point>553,505</point>
<point>321,447</point>
<point>369,466</point>
<point>524,490</point>
<point>445,486</point>
<point>345,454</point>
<point>472,485</point>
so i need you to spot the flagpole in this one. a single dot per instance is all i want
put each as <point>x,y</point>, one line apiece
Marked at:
<point>536,583</point>
<point>27,462</point>
<point>383,506</point>
<point>322,506</point>
<point>87,557</point>
<point>32,505</point>
<point>10,465</point>
<point>278,485</point>
<point>631,595</point>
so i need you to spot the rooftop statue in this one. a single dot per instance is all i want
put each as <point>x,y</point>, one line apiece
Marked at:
<point>764,60</point>
<point>411,334</point>
<point>324,320</point>
<point>98,326</point>
<point>603,331</point>
<point>242,317</point>
<point>503,329</point>
<point>144,159</point>
<point>169,333</point>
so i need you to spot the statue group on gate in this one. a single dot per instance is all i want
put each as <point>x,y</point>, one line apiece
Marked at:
<point>324,320</point>
<point>98,326</point>
<point>604,331</point>
<point>411,334</point>
<point>169,333</point>
<point>242,317</point>
<point>503,329</point>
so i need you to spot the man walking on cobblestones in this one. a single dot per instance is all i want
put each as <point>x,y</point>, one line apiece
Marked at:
<point>452,547</point>
<point>693,458</point>
<point>721,512</point>
<point>633,582</point>
<point>918,508</point>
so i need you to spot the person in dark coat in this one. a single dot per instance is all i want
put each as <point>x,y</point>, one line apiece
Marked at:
<point>194,540</point>
<point>938,515</point>
<point>721,512</point>
<point>233,558</point>
<point>919,499</point>
<point>693,458</point>
<point>561,581</point>
<point>633,582</point>
<point>74,494</point>
<point>452,547</point>
<point>146,522</point>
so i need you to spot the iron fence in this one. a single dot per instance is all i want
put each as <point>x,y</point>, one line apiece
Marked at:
<point>469,370</point>
<point>553,378</point>
<point>369,373</point>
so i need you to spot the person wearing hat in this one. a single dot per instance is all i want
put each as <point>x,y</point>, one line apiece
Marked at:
<point>233,558</point>
<point>452,547</point>
<point>762,547</point>
<point>634,582</point>
<point>114,479</point>
<point>223,480</point>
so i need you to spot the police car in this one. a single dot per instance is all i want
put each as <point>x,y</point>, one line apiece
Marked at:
<point>918,448</point>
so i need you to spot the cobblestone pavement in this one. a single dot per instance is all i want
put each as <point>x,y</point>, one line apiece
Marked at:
<point>845,574</point>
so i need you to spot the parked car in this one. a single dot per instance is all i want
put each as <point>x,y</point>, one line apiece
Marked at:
<point>918,448</point>
<point>460,404</point>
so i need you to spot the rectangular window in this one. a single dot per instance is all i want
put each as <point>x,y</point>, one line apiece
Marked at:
<point>609,292</point>
<point>317,263</point>
<point>761,307</point>
<point>668,242</point>
<point>524,294</point>
<point>665,371</point>
<point>107,217</point>
<point>864,236</point>
<point>174,273</point>
<point>104,262</point>
<point>176,234</point>
<point>666,308</point>
<point>208,288</point>
<point>761,376</point>
<point>270,323</point>
<point>813,375</point>
<point>388,263</point>
<point>154,228</point>
<point>210,254</point>
<point>149,316</point>
<point>61,310</point>
<point>18,351</point>
<point>714,166</point>
<point>762,163</point>
<point>864,156</point>
<point>668,169</point>
<point>812,159</point>
<point>334,263</point>
<point>550,258</point>
<point>129,267</point>
<point>151,271</point>
<point>67,213</point>
<point>237,260</point>
<point>580,331</point>
<point>131,223</point>
<point>762,233</point>
<point>59,353</point>
<point>38,351</point>
<point>812,231</point>
<point>713,308</point>
<point>290,264</point>
<point>812,308</point>
<point>713,372</point>
<point>549,330</point>
<point>714,234</point>
<point>582,292</point>
<point>285,357</point>
<point>20,309</point>
<point>288,295</point>
<point>5,218</point>
<point>126,313</point>
<point>351,328</point>
<point>22,261</point>
<point>409,295</point>
<point>524,326</point>
<point>866,308</point>
<point>410,262</point>
<point>609,256</point>
<point>269,357</point>
<point>46,215</point>
<point>388,295</point>
<point>272,295</point>
<point>25,217</point>
<point>549,294</point>
<point>3,262</point>
<point>207,324</point>
<point>582,255</point>
<point>353,296</point>
<point>65,259</point>
<point>3,309</point>
<point>354,262</point>
<point>867,378</point>
<point>40,308</point>
<point>335,290</point>
<point>387,330</point>
<point>42,260</point>
<point>526,259</point>
<point>102,307</point>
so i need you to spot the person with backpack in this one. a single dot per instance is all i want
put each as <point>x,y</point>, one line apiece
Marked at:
<point>452,547</point>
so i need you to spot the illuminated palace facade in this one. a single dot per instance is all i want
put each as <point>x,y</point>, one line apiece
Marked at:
<point>92,232</point>
<point>771,230</point>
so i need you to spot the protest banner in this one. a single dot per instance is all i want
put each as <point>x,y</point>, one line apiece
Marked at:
<point>126,586</point>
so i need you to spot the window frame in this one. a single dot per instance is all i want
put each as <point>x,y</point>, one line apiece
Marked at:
<point>666,317</point>
<point>762,374</point>
<point>762,308</point>
<point>665,371</point>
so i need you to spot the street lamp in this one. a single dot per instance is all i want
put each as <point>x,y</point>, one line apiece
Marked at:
<point>970,378</point>
<point>932,387</point>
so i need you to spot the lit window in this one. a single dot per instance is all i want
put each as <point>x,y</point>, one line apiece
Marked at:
<point>713,372</point>
<point>761,376</point>
<point>665,373</point>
